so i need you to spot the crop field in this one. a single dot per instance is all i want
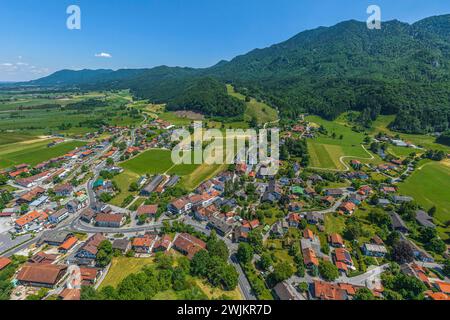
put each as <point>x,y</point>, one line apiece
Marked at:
<point>430,186</point>
<point>45,116</point>
<point>7,138</point>
<point>34,153</point>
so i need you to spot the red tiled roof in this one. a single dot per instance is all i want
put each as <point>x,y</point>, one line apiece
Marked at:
<point>443,286</point>
<point>309,257</point>
<point>328,291</point>
<point>147,209</point>
<point>189,244</point>
<point>4,262</point>
<point>308,234</point>
<point>69,243</point>
<point>70,294</point>
<point>336,239</point>
<point>41,273</point>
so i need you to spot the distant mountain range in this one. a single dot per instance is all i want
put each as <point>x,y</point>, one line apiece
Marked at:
<point>402,69</point>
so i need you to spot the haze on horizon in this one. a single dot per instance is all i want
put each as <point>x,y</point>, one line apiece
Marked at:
<point>147,33</point>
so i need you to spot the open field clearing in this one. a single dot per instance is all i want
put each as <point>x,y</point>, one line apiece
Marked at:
<point>123,181</point>
<point>121,267</point>
<point>426,141</point>
<point>261,111</point>
<point>7,138</point>
<point>156,161</point>
<point>325,151</point>
<point>34,153</point>
<point>43,117</point>
<point>430,186</point>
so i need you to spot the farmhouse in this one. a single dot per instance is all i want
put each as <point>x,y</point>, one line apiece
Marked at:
<point>107,220</point>
<point>88,251</point>
<point>33,218</point>
<point>143,244</point>
<point>41,275</point>
<point>147,210</point>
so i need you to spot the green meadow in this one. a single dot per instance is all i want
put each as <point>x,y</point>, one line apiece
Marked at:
<point>426,141</point>
<point>34,153</point>
<point>259,110</point>
<point>325,150</point>
<point>430,186</point>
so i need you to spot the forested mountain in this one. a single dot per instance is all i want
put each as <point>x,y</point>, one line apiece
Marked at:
<point>401,69</point>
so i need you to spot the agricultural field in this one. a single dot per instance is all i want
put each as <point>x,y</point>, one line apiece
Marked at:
<point>33,115</point>
<point>325,151</point>
<point>261,111</point>
<point>156,161</point>
<point>426,141</point>
<point>430,186</point>
<point>7,138</point>
<point>34,152</point>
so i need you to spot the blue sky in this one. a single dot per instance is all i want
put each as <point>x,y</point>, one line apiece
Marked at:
<point>146,33</point>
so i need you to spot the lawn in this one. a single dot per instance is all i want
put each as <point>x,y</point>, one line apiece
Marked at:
<point>200,174</point>
<point>121,267</point>
<point>217,293</point>
<point>430,186</point>
<point>34,153</point>
<point>123,181</point>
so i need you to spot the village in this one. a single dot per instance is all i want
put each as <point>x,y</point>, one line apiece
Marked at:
<point>303,234</point>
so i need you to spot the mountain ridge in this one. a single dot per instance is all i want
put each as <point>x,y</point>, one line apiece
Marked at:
<point>402,69</point>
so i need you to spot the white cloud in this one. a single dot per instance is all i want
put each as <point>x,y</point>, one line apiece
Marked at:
<point>21,63</point>
<point>103,55</point>
<point>7,64</point>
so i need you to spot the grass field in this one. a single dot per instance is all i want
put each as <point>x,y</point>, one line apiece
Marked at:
<point>430,186</point>
<point>123,181</point>
<point>325,151</point>
<point>33,153</point>
<point>426,141</point>
<point>261,111</point>
<point>334,224</point>
<point>121,267</point>
<point>7,138</point>
<point>38,116</point>
<point>156,161</point>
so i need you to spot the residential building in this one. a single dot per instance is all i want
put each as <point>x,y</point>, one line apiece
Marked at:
<point>188,244</point>
<point>41,275</point>
<point>374,250</point>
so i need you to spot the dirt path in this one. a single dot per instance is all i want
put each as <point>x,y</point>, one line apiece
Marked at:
<point>341,160</point>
